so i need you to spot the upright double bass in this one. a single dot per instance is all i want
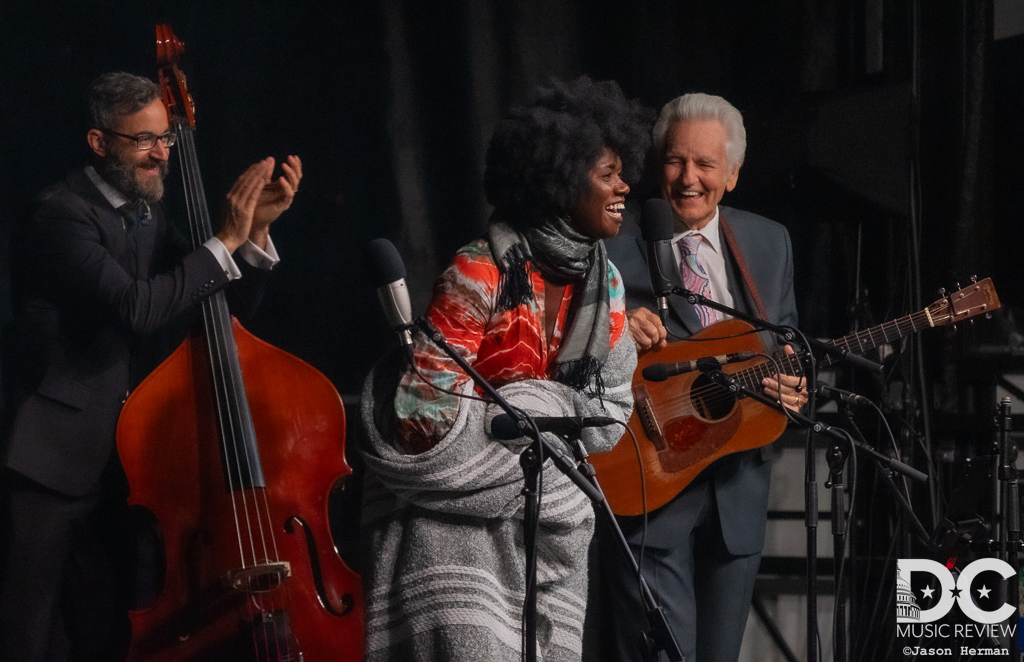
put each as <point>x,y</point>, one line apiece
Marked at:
<point>234,446</point>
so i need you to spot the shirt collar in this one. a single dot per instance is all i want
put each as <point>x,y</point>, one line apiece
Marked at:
<point>113,196</point>
<point>709,232</point>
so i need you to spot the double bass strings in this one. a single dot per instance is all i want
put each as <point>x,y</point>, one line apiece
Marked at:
<point>233,418</point>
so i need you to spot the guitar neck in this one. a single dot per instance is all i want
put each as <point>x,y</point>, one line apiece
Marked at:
<point>887,332</point>
<point>855,343</point>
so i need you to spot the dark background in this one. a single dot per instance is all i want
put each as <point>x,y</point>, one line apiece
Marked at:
<point>390,105</point>
<point>885,135</point>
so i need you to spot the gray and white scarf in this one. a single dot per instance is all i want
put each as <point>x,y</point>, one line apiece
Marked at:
<point>562,255</point>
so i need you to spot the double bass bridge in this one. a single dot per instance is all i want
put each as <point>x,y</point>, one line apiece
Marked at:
<point>260,578</point>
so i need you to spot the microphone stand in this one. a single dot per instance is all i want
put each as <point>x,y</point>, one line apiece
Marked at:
<point>660,637</point>
<point>1010,543</point>
<point>789,335</point>
<point>888,465</point>
<point>731,383</point>
<point>532,462</point>
<point>836,457</point>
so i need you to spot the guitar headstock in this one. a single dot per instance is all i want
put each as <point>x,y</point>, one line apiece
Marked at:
<point>975,299</point>
<point>177,100</point>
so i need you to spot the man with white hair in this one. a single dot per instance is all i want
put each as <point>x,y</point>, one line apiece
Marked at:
<point>703,548</point>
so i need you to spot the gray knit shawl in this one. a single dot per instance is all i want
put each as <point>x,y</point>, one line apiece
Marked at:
<point>443,553</point>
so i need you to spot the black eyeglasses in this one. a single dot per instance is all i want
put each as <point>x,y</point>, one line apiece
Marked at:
<point>147,141</point>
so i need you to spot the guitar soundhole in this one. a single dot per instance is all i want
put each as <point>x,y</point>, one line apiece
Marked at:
<point>710,401</point>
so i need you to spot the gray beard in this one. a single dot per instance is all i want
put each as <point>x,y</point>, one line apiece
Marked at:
<point>121,175</point>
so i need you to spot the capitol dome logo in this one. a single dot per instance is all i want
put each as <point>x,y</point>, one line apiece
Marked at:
<point>907,608</point>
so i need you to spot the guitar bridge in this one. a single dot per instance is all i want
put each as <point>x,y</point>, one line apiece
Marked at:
<point>648,419</point>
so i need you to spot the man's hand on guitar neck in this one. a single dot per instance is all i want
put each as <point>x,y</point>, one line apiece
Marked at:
<point>646,330</point>
<point>793,389</point>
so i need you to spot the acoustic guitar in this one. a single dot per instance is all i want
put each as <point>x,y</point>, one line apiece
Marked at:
<point>687,422</point>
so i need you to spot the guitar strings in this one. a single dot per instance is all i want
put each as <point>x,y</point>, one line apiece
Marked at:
<point>714,394</point>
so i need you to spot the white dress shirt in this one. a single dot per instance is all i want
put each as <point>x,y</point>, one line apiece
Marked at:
<point>709,253</point>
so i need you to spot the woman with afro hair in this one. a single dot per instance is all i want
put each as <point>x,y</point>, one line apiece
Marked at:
<point>535,306</point>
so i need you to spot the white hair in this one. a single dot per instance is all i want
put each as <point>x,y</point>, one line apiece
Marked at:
<point>703,107</point>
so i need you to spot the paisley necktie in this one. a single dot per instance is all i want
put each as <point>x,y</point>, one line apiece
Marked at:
<point>695,277</point>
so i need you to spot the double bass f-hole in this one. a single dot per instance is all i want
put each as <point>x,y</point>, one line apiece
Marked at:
<point>348,602</point>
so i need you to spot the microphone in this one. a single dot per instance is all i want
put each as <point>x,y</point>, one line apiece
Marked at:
<point>389,275</point>
<point>839,395</point>
<point>656,223</point>
<point>659,372</point>
<point>503,426</point>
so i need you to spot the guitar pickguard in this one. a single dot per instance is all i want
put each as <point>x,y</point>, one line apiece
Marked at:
<point>688,439</point>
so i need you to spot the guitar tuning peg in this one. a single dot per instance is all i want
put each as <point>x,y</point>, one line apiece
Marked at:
<point>988,316</point>
<point>954,327</point>
<point>958,285</point>
<point>974,278</point>
<point>942,291</point>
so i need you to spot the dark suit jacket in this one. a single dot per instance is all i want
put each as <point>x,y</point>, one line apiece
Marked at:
<point>93,300</point>
<point>741,480</point>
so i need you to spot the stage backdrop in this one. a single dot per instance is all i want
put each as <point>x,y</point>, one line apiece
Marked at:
<point>390,105</point>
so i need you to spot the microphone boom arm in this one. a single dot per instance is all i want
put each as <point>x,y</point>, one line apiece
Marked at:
<point>788,334</point>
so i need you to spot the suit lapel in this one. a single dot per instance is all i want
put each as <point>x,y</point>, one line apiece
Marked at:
<point>742,298</point>
<point>128,248</point>
<point>81,185</point>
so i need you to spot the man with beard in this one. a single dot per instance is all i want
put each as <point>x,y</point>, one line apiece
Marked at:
<point>102,282</point>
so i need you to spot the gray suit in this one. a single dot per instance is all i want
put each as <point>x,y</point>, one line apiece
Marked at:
<point>703,547</point>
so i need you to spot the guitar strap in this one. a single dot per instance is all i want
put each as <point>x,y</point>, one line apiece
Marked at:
<point>734,247</point>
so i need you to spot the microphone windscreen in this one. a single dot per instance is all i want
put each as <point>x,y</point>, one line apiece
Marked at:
<point>386,264</point>
<point>504,426</point>
<point>656,221</point>
<point>656,372</point>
